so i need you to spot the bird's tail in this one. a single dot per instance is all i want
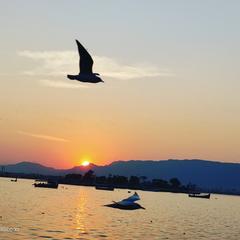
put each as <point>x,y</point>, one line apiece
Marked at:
<point>72,77</point>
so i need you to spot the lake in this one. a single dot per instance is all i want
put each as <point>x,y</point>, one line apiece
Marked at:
<point>77,212</point>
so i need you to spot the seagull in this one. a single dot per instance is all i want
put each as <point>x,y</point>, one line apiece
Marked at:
<point>85,67</point>
<point>127,204</point>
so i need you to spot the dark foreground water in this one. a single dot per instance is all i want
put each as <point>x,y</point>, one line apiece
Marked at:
<point>73,212</point>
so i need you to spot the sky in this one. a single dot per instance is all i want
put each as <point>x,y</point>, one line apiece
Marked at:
<point>171,72</point>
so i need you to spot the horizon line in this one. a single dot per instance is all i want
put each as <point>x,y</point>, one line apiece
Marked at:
<point>130,160</point>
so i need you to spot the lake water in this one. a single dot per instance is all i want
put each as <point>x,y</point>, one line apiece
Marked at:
<point>76,212</point>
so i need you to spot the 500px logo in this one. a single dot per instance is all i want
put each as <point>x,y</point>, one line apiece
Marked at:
<point>9,229</point>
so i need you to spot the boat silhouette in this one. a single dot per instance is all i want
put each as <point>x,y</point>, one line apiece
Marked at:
<point>45,184</point>
<point>200,195</point>
<point>104,187</point>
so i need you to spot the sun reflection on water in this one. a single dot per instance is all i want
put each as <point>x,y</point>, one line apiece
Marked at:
<point>81,214</point>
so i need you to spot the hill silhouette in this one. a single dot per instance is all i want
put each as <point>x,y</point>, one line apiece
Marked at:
<point>206,174</point>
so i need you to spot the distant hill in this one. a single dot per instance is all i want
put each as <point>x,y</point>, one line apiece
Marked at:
<point>207,174</point>
<point>31,168</point>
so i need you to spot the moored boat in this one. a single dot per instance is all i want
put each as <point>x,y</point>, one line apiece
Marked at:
<point>104,187</point>
<point>45,184</point>
<point>200,195</point>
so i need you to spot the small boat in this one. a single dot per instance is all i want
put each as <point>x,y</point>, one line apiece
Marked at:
<point>14,180</point>
<point>104,187</point>
<point>200,195</point>
<point>46,184</point>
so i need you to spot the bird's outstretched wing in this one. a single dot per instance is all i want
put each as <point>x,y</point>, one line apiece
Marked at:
<point>135,197</point>
<point>85,62</point>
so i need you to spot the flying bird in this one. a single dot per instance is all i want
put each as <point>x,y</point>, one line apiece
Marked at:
<point>85,67</point>
<point>127,204</point>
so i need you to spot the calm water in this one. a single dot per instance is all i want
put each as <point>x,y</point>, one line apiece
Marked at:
<point>73,212</point>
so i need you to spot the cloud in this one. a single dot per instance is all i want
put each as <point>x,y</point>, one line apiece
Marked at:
<point>61,63</point>
<point>41,136</point>
<point>61,84</point>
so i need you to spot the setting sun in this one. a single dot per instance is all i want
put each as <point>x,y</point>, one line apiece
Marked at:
<point>85,163</point>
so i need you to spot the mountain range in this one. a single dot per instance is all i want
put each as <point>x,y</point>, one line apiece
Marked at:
<point>203,173</point>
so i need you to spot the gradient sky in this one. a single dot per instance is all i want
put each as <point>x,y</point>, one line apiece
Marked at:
<point>171,71</point>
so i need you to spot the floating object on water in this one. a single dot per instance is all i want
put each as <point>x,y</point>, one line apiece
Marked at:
<point>200,195</point>
<point>14,180</point>
<point>104,187</point>
<point>45,184</point>
<point>127,203</point>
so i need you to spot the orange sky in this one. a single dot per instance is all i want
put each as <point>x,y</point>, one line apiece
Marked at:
<point>171,82</point>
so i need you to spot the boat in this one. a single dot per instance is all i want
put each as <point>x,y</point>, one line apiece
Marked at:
<point>14,180</point>
<point>200,195</point>
<point>104,187</point>
<point>46,184</point>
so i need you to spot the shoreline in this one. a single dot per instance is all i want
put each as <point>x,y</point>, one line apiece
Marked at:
<point>137,188</point>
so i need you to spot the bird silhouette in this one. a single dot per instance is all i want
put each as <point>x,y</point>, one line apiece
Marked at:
<point>85,67</point>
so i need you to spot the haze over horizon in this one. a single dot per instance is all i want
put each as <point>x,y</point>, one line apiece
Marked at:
<point>171,77</point>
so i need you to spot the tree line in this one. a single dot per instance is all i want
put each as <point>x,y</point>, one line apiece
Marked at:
<point>134,182</point>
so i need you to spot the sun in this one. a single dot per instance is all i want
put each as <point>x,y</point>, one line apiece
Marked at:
<point>85,163</point>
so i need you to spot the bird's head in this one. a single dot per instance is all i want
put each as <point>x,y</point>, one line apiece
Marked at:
<point>98,78</point>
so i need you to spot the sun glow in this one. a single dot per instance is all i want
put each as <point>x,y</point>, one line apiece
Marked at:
<point>85,163</point>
